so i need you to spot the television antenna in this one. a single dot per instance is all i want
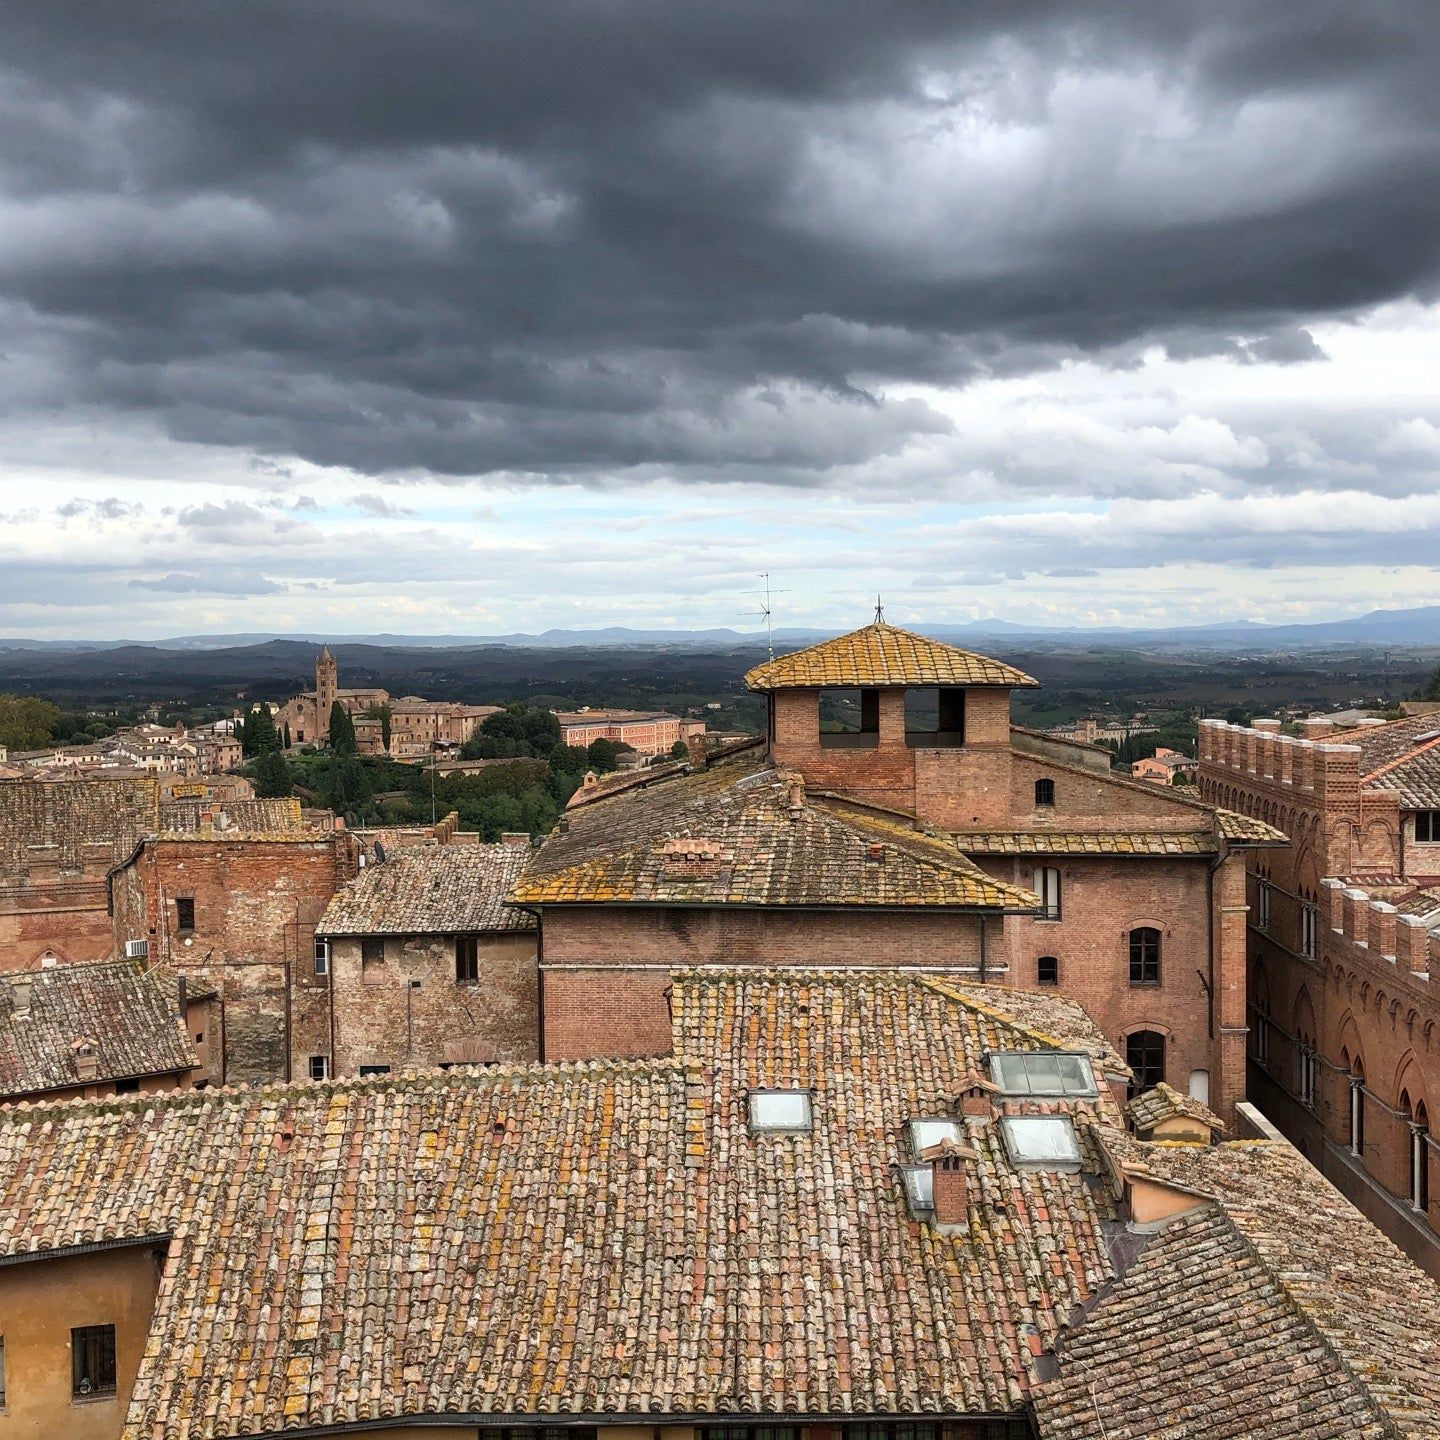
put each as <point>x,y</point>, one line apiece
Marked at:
<point>765,611</point>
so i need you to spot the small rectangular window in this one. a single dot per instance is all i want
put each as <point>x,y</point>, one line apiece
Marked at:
<point>780,1111</point>
<point>128,1086</point>
<point>1047,970</point>
<point>372,960</point>
<point>1309,926</point>
<point>1427,826</point>
<point>1045,792</point>
<point>92,1361</point>
<point>322,955</point>
<point>1145,955</point>
<point>184,912</point>
<point>1262,905</point>
<point>319,1067</point>
<point>467,959</point>
<point>1047,887</point>
<point>1043,1072</point>
<point>374,1070</point>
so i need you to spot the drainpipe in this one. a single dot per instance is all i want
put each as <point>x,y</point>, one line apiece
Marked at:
<point>983,971</point>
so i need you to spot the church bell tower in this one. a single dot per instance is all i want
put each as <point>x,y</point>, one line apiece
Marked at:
<point>327,689</point>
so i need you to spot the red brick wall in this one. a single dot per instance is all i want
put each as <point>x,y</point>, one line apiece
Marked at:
<point>256,905</point>
<point>65,921</point>
<point>598,1000</point>
<point>1101,901</point>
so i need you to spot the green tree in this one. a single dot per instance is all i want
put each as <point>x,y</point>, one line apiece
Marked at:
<point>344,785</point>
<point>603,755</point>
<point>287,734</point>
<point>1432,687</point>
<point>27,722</point>
<point>259,735</point>
<point>342,730</point>
<point>382,714</point>
<point>272,776</point>
<point>679,750</point>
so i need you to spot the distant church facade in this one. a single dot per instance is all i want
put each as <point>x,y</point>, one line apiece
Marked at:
<point>308,714</point>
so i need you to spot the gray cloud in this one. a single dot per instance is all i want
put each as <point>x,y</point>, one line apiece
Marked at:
<point>565,243</point>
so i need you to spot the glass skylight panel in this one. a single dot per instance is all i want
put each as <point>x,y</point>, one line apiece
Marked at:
<point>780,1111</point>
<point>927,1133</point>
<point>1046,1141</point>
<point>919,1183</point>
<point>1043,1072</point>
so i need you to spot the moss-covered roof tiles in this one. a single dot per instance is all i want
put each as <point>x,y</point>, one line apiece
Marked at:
<point>882,655</point>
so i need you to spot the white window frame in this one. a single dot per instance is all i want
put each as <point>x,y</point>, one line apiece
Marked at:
<point>322,956</point>
<point>1047,887</point>
<point>324,1067</point>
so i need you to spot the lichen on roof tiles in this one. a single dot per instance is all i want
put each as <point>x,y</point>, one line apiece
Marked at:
<point>431,890</point>
<point>773,846</point>
<point>126,1017</point>
<point>881,655</point>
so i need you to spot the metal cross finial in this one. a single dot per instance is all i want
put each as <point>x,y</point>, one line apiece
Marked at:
<point>879,612</point>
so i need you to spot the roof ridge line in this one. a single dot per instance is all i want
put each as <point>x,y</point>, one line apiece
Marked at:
<point>960,998</point>
<point>1409,755</point>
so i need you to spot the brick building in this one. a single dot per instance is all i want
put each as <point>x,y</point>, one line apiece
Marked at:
<point>226,897</point>
<point>418,727</point>
<point>829,847</point>
<point>308,713</point>
<point>1342,930</point>
<point>647,732</point>
<point>862,1205</point>
<point>91,1030</point>
<point>1164,767</point>
<point>425,963</point>
<point>58,840</point>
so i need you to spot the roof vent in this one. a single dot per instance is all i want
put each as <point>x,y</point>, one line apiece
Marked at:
<point>20,998</point>
<point>87,1059</point>
<point>875,853</point>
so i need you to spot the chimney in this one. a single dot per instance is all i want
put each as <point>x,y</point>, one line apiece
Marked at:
<point>695,746</point>
<point>976,1106</point>
<point>951,1188</point>
<point>795,795</point>
<point>20,998</point>
<point>87,1062</point>
<point>875,853</point>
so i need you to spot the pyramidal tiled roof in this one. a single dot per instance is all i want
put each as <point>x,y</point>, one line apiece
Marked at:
<point>879,655</point>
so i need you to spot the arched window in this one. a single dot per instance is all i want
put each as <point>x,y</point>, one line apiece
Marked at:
<point>1305,1062</point>
<point>1357,1104</point>
<point>1044,792</point>
<point>1145,955</point>
<point>1047,970</point>
<point>1145,1055</point>
<point>1260,1031</point>
<point>1418,1119</point>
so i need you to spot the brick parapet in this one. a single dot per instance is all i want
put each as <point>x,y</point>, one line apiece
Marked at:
<point>1365,931</point>
<point>1266,756</point>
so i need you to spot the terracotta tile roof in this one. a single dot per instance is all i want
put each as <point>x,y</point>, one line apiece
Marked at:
<point>1403,756</point>
<point>231,818</point>
<point>1084,842</point>
<point>1424,903</point>
<point>1245,830</point>
<point>861,1307</point>
<point>431,890</point>
<point>879,655</point>
<point>60,820</point>
<point>1279,1311</point>
<point>126,1018</point>
<point>522,1240</point>
<point>1150,1108</point>
<point>610,1238</point>
<point>743,834</point>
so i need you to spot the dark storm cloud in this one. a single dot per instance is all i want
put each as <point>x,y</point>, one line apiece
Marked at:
<point>551,241</point>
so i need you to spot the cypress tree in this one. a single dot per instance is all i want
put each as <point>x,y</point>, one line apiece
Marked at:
<point>342,730</point>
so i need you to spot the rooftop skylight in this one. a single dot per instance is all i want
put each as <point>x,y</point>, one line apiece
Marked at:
<point>1043,1072</point>
<point>926,1133</point>
<point>1045,1142</point>
<point>919,1183</point>
<point>780,1112</point>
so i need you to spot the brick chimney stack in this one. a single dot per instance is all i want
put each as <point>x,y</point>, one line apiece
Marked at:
<point>951,1181</point>
<point>698,755</point>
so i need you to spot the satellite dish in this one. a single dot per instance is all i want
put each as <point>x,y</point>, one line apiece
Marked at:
<point>379,853</point>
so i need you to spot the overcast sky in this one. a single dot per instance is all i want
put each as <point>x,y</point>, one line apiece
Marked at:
<point>474,317</point>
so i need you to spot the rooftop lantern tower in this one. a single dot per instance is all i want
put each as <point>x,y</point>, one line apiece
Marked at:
<point>891,718</point>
